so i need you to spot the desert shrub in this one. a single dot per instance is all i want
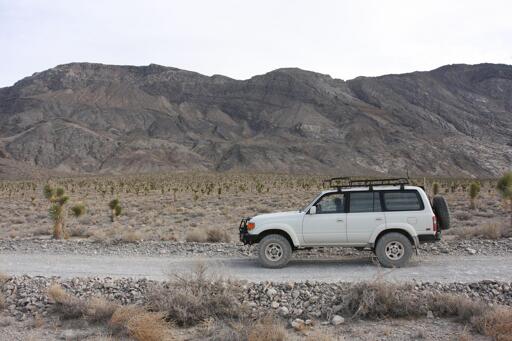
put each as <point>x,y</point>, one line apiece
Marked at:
<point>217,235</point>
<point>474,190</point>
<point>435,188</point>
<point>2,301</point>
<point>67,306</point>
<point>115,209</point>
<point>100,310</point>
<point>450,305</point>
<point>495,322</point>
<point>380,299</point>
<point>267,329</point>
<point>486,231</point>
<point>193,298</point>
<point>195,235</point>
<point>140,324</point>
<point>504,187</point>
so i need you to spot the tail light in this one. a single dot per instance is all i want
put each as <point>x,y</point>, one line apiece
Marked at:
<point>434,223</point>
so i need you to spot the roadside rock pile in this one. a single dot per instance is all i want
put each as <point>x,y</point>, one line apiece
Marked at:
<point>27,296</point>
<point>462,247</point>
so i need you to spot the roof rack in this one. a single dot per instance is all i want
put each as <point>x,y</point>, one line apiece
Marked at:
<point>347,182</point>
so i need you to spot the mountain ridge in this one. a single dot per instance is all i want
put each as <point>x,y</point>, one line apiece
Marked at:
<point>455,120</point>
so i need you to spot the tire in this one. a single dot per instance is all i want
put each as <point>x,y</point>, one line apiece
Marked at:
<point>274,251</point>
<point>440,208</point>
<point>393,250</point>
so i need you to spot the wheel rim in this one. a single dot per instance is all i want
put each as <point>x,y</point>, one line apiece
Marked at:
<point>274,252</point>
<point>395,250</point>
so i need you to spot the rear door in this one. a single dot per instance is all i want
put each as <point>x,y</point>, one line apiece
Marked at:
<point>329,224</point>
<point>364,216</point>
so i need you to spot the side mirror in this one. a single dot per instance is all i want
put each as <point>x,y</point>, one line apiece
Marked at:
<point>312,210</point>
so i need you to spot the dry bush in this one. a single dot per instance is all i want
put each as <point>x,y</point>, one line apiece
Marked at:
<point>4,278</point>
<point>100,310</point>
<point>149,326</point>
<point>195,235</point>
<point>192,299</point>
<point>141,324</point>
<point>67,306</point>
<point>267,329</point>
<point>2,301</point>
<point>495,322</point>
<point>380,299</point>
<point>121,316</point>
<point>217,235</point>
<point>131,236</point>
<point>450,305</point>
<point>487,231</point>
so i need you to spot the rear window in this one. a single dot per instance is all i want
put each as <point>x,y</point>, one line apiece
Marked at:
<point>403,201</point>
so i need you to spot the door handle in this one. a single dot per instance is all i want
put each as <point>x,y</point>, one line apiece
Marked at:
<point>379,218</point>
<point>340,220</point>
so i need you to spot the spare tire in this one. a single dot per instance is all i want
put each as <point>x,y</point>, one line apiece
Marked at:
<point>442,212</point>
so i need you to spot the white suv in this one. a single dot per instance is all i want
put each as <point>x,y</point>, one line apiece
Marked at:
<point>385,215</point>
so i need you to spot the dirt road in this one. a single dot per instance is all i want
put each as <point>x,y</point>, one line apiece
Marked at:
<point>426,268</point>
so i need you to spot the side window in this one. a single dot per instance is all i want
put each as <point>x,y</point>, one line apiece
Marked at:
<point>331,203</point>
<point>402,201</point>
<point>364,202</point>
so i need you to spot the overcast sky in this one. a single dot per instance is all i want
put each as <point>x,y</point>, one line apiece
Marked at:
<point>243,38</point>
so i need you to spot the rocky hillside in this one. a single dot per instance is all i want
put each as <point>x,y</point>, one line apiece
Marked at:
<point>94,118</point>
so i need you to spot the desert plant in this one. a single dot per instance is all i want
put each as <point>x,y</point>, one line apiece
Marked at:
<point>140,324</point>
<point>57,210</point>
<point>196,236</point>
<point>474,190</point>
<point>69,307</point>
<point>115,209</point>
<point>505,188</point>
<point>217,235</point>
<point>189,300</point>
<point>435,188</point>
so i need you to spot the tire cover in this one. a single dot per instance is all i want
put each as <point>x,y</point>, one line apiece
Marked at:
<point>442,212</point>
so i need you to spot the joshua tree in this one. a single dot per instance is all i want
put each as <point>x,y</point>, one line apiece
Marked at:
<point>505,188</point>
<point>435,188</point>
<point>57,211</point>
<point>474,190</point>
<point>115,209</point>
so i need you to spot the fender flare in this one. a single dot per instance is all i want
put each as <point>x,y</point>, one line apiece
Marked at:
<point>406,229</point>
<point>283,228</point>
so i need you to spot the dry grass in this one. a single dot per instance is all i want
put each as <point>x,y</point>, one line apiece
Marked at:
<point>4,278</point>
<point>487,231</point>
<point>463,308</point>
<point>217,236</point>
<point>100,310</point>
<point>2,301</point>
<point>379,299</point>
<point>195,235</point>
<point>141,324</point>
<point>67,306</point>
<point>267,329</point>
<point>495,322</point>
<point>192,299</point>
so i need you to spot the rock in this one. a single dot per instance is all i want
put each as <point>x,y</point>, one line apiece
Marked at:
<point>298,324</point>
<point>430,314</point>
<point>471,251</point>
<point>337,320</point>
<point>283,311</point>
<point>271,292</point>
<point>71,334</point>
<point>274,305</point>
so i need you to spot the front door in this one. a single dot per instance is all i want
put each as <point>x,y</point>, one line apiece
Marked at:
<point>329,224</point>
<point>364,216</point>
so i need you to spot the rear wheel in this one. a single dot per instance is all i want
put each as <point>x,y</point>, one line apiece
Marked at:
<point>275,251</point>
<point>393,250</point>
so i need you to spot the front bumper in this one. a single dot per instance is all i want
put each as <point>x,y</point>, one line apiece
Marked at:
<point>245,236</point>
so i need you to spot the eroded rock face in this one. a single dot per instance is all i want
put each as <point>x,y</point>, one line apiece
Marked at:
<point>94,118</point>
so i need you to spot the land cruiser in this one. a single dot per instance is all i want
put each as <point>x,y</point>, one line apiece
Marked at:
<point>388,216</point>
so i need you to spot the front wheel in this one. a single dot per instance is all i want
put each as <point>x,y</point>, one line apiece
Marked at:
<point>275,251</point>
<point>393,250</point>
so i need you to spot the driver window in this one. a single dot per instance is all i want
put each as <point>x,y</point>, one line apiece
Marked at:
<point>331,203</point>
